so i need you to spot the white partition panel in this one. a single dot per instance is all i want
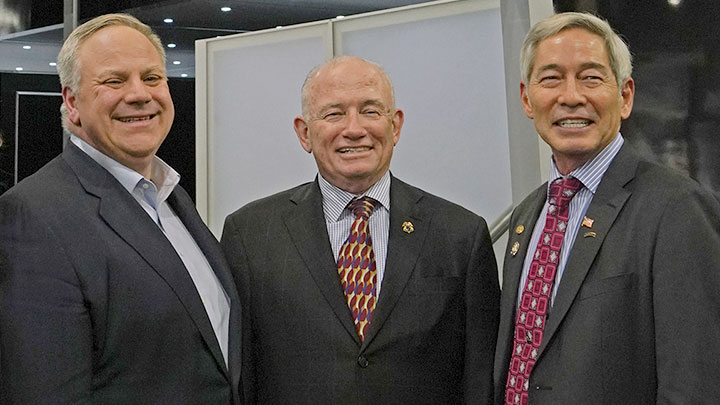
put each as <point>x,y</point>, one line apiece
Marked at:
<point>446,62</point>
<point>252,89</point>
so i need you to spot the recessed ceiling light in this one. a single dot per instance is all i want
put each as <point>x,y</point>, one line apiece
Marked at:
<point>340,17</point>
<point>225,9</point>
<point>176,62</point>
<point>168,21</point>
<point>183,75</point>
<point>171,45</point>
<point>27,47</point>
<point>674,3</point>
<point>52,64</point>
<point>19,69</point>
<point>278,27</point>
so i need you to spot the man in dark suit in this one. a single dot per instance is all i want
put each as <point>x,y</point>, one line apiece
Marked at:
<point>406,314</point>
<point>610,288</point>
<point>113,291</point>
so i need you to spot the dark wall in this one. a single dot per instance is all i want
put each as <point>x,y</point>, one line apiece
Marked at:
<point>41,130</point>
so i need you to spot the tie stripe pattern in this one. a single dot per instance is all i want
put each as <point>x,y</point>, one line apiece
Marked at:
<point>356,266</point>
<point>535,299</point>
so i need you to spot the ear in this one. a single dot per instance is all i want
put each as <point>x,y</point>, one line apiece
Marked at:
<point>524,96</point>
<point>303,133</point>
<point>70,101</point>
<point>397,123</point>
<point>627,92</point>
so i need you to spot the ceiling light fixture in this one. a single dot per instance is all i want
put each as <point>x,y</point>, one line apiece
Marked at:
<point>278,27</point>
<point>171,45</point>
<point>19,69</point>
<point>168,21</point>
<point>225,9</point>
<point>176,62</point>
<point>27,47</point>
<point>183,75</point>
<point>52,64</point>
<point>340,17</point>
<point>675,3</point>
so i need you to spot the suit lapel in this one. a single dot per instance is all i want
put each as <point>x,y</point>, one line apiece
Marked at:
<point>604,208</point>
<point>525,215</point>
<point>125,216</point>
<point>305,222</point>
<point>403,251</point>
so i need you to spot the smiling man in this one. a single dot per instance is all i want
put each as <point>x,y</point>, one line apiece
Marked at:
<point>610,287</point>
<point>112,289</point>
<point>361,288</point>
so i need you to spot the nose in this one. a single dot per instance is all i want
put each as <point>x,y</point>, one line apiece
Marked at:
<point>353,125</point>
<point>137,92</point>
<point>572,94</point>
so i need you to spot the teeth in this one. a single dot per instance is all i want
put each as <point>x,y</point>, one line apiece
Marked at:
<point>135,119</point>
<point>360,149</point>
<point>574,123</point>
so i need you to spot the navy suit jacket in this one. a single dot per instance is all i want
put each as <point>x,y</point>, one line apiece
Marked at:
<point>636,316</point>
<point>433,331</point>
<point>95,304</point>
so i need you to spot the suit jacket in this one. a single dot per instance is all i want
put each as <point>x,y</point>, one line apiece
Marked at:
<point>637,305</point>
<point>433,330</point>
<point>95,304</point>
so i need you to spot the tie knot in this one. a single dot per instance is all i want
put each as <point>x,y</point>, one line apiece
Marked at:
<point>562,190</point>
<point>362,207</point>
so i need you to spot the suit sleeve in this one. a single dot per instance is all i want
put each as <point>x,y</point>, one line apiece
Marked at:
<point>234,250</point>
<point>45,328</point>
<point>686,282</point>
<point>481,311</point>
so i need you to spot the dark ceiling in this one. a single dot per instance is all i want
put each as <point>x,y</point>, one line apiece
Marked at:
<point>38,23</point>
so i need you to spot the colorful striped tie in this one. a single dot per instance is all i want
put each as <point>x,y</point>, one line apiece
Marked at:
<point>356,266</point>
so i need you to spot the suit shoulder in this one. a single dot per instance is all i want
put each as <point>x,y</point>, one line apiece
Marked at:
<point>50,183</point>
<point>271,203</point>
<point>440,204</point>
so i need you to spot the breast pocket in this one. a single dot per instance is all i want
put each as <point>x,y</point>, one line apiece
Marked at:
<point>608,285</point>
<point>433,285</point>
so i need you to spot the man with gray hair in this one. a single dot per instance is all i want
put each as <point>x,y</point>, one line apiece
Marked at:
<point>610,287</point>
<point>112,289</point>
<point>361,289</point>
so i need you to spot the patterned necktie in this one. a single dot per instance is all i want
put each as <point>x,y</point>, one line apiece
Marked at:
<point>356,265</point>
<point>531,314</point>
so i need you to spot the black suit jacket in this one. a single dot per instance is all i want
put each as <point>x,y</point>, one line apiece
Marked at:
<point>96,305</point>
<point>638,305</point>
<point>433,332</point>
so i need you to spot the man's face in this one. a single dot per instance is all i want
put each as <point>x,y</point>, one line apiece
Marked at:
<point>351,127</point>
<point>123,107</point>
<point>573,97</point>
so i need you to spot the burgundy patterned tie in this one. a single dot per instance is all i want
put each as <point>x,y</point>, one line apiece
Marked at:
<point>356,265</point>
<point>531,313</point>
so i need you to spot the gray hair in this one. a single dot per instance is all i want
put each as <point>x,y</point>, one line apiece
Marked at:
<point>68,64</point>
<point>305,90</point>
<point>617,49</point>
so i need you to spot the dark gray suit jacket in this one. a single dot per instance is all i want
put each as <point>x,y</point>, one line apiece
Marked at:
<point>95,304</point>
<point>636,319</point>
<point>433,332</point>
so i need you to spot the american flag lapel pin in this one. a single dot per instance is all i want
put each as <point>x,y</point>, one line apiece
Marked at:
<point>587,222</point>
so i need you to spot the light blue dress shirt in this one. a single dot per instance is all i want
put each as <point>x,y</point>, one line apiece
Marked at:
<point>339,220</point>
<point>589,175</point>
<point>153,200</point>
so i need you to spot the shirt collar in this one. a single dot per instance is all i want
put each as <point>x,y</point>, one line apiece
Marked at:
<point>335,200</point>
<point>593,170</point>
<point>162,175</point>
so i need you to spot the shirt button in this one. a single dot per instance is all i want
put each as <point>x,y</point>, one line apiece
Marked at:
<point>145,186</point>
<point>362,361</point>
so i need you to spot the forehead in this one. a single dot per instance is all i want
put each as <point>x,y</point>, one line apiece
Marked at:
<point>573,45</point>
<point>349,79</point>
<point>118,43</point>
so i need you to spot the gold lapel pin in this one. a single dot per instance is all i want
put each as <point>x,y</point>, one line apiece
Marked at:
<point>587,222</point>
<point>408,227</point>
<point>520,229</point>
<point>514,249</point>
<point>590,234</point>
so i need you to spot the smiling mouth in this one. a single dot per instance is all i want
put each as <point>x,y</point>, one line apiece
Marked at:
<point>353,150</point>
<point>573,123</point>
<point>134,119</point>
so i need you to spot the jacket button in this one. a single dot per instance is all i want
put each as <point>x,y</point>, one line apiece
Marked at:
<point>362,361</point>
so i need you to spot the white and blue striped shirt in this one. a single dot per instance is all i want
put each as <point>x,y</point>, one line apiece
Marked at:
<point>339,220</point>
<point>589,175</point>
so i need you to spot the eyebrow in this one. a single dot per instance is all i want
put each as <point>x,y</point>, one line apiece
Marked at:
<point>115,72</point>
<point>370,101</point>
<point>584,66</point>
